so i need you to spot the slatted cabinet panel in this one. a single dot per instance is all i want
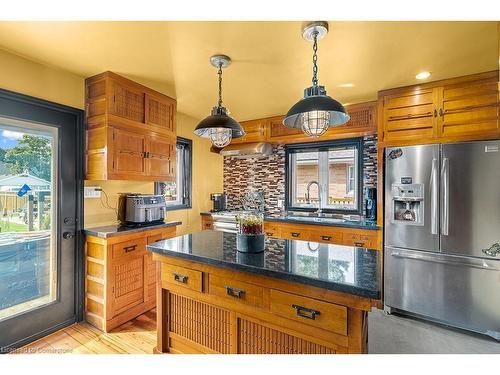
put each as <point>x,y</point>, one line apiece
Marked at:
<point>201,323</point>
<point>411,115</point>
<point>160,111</point>
<point>279,132</point>
<point>469,109</point>
<point>128,290</point>
<point>255,338</point>
<point>127,102</point>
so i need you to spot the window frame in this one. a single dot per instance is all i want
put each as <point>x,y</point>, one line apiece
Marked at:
<point>188,176</point>
<point>323,146</point>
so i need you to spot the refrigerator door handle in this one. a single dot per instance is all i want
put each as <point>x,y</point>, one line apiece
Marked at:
<point>434,197</point>
<point>445,183</point>
<point>437,259</point>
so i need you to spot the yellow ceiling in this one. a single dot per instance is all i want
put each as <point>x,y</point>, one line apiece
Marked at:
<point>271,62</point>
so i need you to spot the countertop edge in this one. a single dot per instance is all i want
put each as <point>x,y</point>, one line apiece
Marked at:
<point>269,273</point>
<point>96,232</point>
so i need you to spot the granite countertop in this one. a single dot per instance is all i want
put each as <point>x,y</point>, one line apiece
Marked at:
<point>113,230</point>
<point>361,224</point>
<point>331,222</point>
<point>340,268</point>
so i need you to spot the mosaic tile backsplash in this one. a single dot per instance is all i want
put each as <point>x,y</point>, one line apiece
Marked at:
<point>268,175</point>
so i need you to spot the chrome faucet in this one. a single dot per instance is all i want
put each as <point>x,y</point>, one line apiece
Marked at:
<point>308,195</point>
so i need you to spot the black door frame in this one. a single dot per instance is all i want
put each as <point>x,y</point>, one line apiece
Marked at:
<point>28,108</point>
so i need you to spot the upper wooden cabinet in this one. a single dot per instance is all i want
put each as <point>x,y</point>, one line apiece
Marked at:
<point>130,130</point>
<point>458,109</point>
<point>272,130</point>
<point>255,131</point>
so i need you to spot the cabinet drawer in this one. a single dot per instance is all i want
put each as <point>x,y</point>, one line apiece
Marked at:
<point>184,277</point>
<point>309,311</point>
<point>295,233</point>
<point>234,290</point>
<point>325,236</point>
<point>207,225</point>
<point>359,240</point>
<point>131,247</point>
<point>272,230</point>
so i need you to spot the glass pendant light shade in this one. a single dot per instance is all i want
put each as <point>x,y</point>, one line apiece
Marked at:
<point>219,127</point>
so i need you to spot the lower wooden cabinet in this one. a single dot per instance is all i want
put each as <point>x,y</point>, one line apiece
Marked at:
<point>368,238</point>
<point>120,277</point>
<point>239,312</point>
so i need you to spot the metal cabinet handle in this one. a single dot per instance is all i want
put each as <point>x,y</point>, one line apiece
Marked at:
<point>326,238</point>
<point>180,278</point>
<point>305,312</point>
<point>359,244</point>
<point>234,292</point>
<point>128,249</point>
<point>295,234</point>
<point>435,113</point>
<point>270,234</point>
<point>441,112</point>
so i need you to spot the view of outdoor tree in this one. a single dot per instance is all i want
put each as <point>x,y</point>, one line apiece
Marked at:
<point>32,153</point>
<point>308,265</point>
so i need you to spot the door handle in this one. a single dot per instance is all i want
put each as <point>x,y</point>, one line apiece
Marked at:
<point>434,197</point>
<point>437,259</point>
<point>68,235</point>
<point>445,183</point>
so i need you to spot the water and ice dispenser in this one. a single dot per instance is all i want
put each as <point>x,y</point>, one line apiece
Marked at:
<point>408,204</point>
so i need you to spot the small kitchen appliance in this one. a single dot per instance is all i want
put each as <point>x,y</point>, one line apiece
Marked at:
<point>141,209</point>
<point>371,204</point>
<point>219,202</point>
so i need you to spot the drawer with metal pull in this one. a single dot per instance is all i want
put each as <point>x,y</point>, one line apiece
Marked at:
<point>325,236</point>
<point>272,229</point>
<point>309,311</point>
<point>181,276</point>
<point>297,233</point>
<point>359,240</point>
<point>230,289</point>
<point>132,247</point>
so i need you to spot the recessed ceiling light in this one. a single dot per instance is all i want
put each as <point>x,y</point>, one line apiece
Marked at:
<point>423,75</point>
<point>346,85</point>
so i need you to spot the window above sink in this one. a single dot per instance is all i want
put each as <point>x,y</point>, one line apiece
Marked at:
<point>326,176</point>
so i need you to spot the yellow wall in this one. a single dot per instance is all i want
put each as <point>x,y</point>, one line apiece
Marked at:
<point>31,78</point>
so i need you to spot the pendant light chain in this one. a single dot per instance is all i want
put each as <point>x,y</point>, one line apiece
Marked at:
<point>220,84</point>
<point>315,59</point>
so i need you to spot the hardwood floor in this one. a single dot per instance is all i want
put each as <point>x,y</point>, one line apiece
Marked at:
<point>135,337</point>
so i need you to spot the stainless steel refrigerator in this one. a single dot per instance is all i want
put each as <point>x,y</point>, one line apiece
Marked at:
<point>442,233</point>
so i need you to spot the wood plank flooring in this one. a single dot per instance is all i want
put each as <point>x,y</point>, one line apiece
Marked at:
<point>137,336</point>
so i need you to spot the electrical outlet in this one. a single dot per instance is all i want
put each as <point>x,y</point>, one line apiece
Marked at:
<point>92,192</point>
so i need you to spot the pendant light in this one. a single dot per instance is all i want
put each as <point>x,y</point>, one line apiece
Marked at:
<point>316,112</point>
<point>219,127</point>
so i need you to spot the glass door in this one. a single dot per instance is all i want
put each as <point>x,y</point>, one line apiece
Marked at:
<point>38,227</point>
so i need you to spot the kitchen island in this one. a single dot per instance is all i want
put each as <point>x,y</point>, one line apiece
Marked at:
<point>295,297</point>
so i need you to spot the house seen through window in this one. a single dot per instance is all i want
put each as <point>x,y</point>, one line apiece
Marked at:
<point>327,175</point>
<point>178,193</point>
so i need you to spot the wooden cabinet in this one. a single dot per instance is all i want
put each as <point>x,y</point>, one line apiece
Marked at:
<point>207,223</point>
<point>368,238</point>
<point>130,130</point>
<point>120,277</point>
<point>271,129</point>
<point>255,131</point>
<point>245,313</point>
<point>458,109</point>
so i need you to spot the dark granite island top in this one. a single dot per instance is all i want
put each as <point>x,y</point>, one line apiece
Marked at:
<point>339,268</point>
